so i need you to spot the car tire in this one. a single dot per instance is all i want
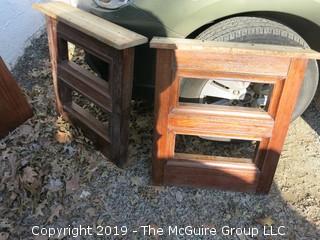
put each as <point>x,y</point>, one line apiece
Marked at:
<point>263,31</point>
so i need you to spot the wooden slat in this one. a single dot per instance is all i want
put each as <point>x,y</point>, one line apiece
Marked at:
<point>201,171</point>
<point>257,78</point>
<point>273,103</point>
<point>86,83</point>
<point>84,41</point>
<point>121,80</point>
<point>230,111</point>
<point>14,107</point>
<point>217,161</point>
<point>78,113</point>
<point>105,31</point>
<point>163,140</point>
<point>233,48</point>
<point>220,121</point>
<point>203,62</point>
<point>58,49</point>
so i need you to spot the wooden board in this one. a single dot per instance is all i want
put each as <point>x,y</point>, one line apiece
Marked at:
<point>103,30</point>
<point>14,108</point>
<point>220,121</point>
<point>233,48</point>
<point>204,62</point>
<point>225,173</point>
<point>87,84</point>
<point>163,140</point>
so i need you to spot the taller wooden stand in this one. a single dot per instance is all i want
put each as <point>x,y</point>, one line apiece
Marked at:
<point>283,67</point>
<point>112,44</point>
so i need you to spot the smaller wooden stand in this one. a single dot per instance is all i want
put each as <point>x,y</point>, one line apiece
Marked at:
<point>283,67</point>
<point>112,44</point>
<point>14,108</point>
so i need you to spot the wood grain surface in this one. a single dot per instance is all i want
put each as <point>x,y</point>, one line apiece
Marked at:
<point>283,67</point>
<point>14,108</point>
<point>233,48</point>
<point>102,30</point>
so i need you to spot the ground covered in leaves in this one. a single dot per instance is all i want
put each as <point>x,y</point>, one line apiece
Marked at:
<point>51,176</point>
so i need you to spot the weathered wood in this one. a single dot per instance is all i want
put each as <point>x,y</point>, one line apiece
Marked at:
<point>88,120</point>
<point>94,26</point>
<point>82,40</point>
<point>86,83</point>
<point>114,46</point>
<point>92,128</point>
<point>14,108</point>
<point>233,48</point>
<point>121,80</point>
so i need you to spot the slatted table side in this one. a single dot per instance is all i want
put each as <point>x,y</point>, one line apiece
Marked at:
<point>112,44</point>
<point>167,99</point>
<point>197,59</point>
<point>58,48</point>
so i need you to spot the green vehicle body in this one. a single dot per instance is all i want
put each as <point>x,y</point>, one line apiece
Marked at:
<point>187,18</point>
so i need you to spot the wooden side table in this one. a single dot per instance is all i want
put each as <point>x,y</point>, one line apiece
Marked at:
<point>282,67</point>
<point>112,44</point>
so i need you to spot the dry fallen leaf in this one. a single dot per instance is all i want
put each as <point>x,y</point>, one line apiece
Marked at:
<point>72,184</point>
<point>55,212</point>
<point>25,130</point>
<point>12,158</point>
<point>266,221</point>
<point>63,137</point>
<point>38,211</point>
<point>91,212</point>
<point>30,180</point>
<point>158,189</point>
<point>29,174</point>
<point>2,145</point>
<point>54,185</point>
<point>137,180</point>
<point>4,235</point>
<point>12,198</point>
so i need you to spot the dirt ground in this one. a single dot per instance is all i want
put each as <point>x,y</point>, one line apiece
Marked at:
<point>51,176</point>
